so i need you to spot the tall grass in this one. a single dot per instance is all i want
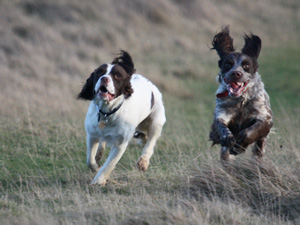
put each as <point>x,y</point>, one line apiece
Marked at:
<point>43,175</point>
<point>48,49</point>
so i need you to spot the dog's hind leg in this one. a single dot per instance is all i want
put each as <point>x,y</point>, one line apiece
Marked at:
<point>224,154</point>
<point>227,158</point>
<point>259,148</point>
<point>141,136</point>
<point>100,152</point>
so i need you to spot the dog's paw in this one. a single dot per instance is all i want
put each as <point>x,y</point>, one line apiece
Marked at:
<point>142,163</point>
<point>227,140</point>
<point>94,167</point>
<point>101,182</point>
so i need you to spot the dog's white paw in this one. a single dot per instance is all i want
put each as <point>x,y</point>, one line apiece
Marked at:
<point>93,166</point>
<point>99,181</point>
<point>142,163</point>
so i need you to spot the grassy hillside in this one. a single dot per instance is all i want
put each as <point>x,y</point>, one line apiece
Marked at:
<point>49,48</point>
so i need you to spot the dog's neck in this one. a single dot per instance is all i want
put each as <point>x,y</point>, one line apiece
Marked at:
<point>106,109</point>
<point>109,106</point>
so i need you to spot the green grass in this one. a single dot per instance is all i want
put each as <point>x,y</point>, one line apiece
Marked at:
<point>47,49</point>
<point>280,71</point>
<point>43,171</point>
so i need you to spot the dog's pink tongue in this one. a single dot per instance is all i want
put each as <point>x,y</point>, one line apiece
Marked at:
<point>234,85</point>
<point>110,96</point>
<point>107,96</point>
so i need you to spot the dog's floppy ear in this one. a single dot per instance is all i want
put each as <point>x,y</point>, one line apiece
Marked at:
<point>127,91</point>
<point>87,92</point>
<point>223,43</point>
<point>252,46</point>
<point>125,61</point>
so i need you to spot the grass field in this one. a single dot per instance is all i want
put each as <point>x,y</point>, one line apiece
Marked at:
<point>48,49</point>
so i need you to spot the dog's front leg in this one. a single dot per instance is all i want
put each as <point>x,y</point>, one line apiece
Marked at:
<point>154,133</point>
<point>110,163</point>
<point>92,147</point>
<point>258,130</point>
<point>226,137</point>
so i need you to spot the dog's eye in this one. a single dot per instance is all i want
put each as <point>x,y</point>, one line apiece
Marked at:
<point>227,66</point>
<point>118,76</point>
<point>246,67</point>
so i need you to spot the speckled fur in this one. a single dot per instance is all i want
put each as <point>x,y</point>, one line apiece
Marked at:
<point>240,121</point>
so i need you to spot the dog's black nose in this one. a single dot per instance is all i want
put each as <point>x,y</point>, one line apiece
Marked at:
<point>104,80</point>
<point>236,74</point>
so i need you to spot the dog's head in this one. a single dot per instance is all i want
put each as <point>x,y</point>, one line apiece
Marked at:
<point>110,81</point>
<point>237,68</point>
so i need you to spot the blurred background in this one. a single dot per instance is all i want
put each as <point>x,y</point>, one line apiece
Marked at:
<point>48,48</point>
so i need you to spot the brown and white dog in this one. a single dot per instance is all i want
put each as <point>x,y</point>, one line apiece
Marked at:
<point>122,103</point>
<point>243,114</point>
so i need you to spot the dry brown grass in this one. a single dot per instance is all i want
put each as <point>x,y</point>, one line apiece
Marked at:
<point>262,186</point>
<point>49,48</point>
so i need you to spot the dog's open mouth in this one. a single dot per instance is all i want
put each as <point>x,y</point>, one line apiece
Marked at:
<point>236,88</point>
<point>105,94</point>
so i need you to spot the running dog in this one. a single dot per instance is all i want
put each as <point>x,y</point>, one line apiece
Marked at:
<point>243,113</point>
<point>122,103</point>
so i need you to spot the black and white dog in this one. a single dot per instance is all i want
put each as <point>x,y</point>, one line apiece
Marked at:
<point>122,103</point>
<point>243,114</point>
